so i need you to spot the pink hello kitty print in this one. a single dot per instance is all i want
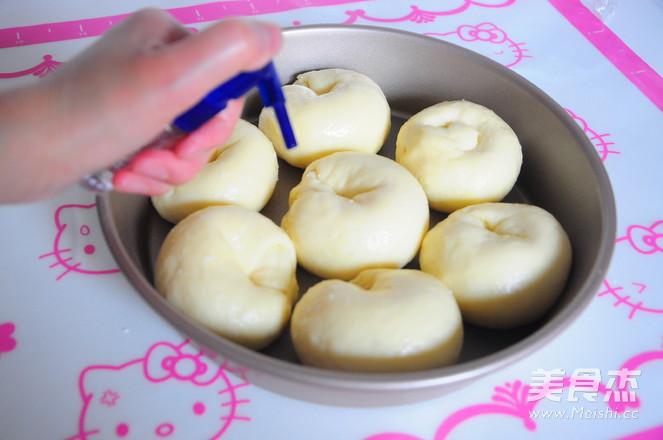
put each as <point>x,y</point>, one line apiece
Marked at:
<point>42,69</point>
<point>489,40</point>
<point>643,296</point>
<point>646,240</point>
<point>629,297</point>
<point>7,341</point>
<point>78,246</point>
<point>194,14</point>
<point>603,146</point>
<point>420,16</point>
<point>173,392</point>
<point>206,12</point>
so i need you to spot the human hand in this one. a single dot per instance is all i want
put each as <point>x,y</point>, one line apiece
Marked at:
<point>117,96</point>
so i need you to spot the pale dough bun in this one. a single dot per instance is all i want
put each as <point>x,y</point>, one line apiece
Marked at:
<point>232,270</point>
<point>462,153</point>
<point>354,211</point>
<point>506,263</point>
<point>384,320</point>
<point>330,110</point>
<point>241,172</point>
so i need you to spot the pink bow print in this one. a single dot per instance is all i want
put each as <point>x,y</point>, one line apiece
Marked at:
<point>645,240</point>
<point>166,361</point>
<point>482,32</point>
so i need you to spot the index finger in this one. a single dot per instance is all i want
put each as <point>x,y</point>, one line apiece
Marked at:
<point>192,66</point>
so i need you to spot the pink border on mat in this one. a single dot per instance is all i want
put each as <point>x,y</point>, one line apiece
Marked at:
<point>613,48</point>
<point>92,27</point>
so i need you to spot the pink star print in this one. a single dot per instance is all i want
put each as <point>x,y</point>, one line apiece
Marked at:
<point>109,398</point>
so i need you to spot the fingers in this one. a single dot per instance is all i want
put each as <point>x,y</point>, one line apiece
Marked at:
<point>120,92</point>
<point>190,67</point>
<point>158,24</point>
<point>142,33</point>
<point>155,171</point>
<point>212,134</point>
<point>128,181</point>
<point>149,24</point>
<point>166,166</point>
<point>177,69</point>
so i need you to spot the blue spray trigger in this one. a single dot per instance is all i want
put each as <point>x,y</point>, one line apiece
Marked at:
<point>267,81</point>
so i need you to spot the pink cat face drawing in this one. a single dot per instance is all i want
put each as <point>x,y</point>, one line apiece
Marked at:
<point>489,40</point>
<point>78,245</point>
<point>174,392</point>
<point>603,146</point>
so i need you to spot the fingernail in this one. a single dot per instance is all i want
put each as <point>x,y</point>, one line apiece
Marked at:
<point>125,182</point>
<point>151,169</point>
<point>189,149</point>
<point>134,187</point>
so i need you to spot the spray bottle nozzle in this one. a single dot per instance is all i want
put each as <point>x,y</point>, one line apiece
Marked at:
<point>271,94</point>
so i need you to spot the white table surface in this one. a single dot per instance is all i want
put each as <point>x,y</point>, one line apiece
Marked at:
<point>78,346</point>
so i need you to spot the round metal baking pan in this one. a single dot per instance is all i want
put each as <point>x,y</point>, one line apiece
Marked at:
<point>561,173</point>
